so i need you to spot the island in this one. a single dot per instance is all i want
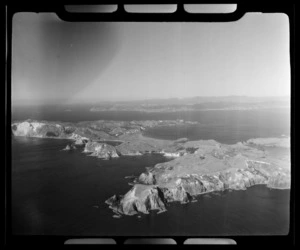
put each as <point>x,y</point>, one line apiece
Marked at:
<point>194,167</point>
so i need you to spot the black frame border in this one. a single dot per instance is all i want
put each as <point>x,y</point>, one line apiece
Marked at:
<point>122,16</point>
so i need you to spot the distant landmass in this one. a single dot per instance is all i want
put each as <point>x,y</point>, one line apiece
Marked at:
<point>195,103</point>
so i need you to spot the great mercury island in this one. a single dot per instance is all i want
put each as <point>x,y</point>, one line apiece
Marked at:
<point>194,167</point>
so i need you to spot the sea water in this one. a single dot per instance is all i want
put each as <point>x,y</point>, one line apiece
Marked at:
<point>224,126</point>
<point>58,192</point>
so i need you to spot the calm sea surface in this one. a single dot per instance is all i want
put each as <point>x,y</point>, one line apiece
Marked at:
<point>223,126</point>
<point>57,192</point>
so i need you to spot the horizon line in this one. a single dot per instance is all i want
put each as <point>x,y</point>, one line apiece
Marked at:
<point>90,101</point>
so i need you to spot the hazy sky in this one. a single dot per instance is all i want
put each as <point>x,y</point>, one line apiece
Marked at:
<point>64,62</point>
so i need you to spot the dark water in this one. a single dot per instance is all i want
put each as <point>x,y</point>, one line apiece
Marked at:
<point>62,193</point>
<point>228,127</point>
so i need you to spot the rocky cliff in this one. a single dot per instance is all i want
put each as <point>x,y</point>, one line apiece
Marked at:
<point>46,129</point>
<point>194,167</point>
<point>100,150</point>
<point>212,167</point>
<point>141,198</point>
<point>38,129</point>
<point>184,189</point>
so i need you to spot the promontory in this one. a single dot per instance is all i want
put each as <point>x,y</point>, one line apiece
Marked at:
<point>194,167</point>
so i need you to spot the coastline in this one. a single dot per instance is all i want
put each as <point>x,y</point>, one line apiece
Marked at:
<point>194,168</point>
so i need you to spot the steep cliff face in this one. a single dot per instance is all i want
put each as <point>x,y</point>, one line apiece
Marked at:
<point>147,178</point>
<point>100,150</point>
<point>145,197</point>
<point>140,199</point>
<point>79,140</point>
<point>195,167</point>
<point>176,193</point>
<point>38,129</point>
<point>48,130</point>
<point>184,187</point>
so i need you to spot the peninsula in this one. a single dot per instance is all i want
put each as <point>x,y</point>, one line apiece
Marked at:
<point>194,167</point>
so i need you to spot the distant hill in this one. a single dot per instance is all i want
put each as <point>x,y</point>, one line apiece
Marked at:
<point>204,99</point>
<point>195,103</point>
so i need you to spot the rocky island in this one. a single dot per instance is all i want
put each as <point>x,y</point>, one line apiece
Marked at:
<point>194,167</point>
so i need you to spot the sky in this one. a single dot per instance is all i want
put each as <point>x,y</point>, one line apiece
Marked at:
<point>63,62</point>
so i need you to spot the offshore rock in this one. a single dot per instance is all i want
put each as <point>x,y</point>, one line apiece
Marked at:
<point>69,147</point>
<point>134,148</point>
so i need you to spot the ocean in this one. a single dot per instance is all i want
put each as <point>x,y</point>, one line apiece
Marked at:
<point>58,192</point>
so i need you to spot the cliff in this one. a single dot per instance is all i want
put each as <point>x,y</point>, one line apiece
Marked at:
<point>141,198</point>
<point>210,167</point>
<point>194,167</point>
<point>100,150</point>
<point>185,188</point>
<point>38,129</point>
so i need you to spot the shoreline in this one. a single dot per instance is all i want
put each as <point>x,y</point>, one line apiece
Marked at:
<point>196,167</point>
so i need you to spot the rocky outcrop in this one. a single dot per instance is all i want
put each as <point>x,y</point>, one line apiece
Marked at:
<point>100,150</point>
<point>194,168</point>
<point>209,166</point>
<point>69,147</point>
<point>140,199</point>
<point>146,178</point>
<point>176,193</point>
<point>173,154</point>
<point>145,197</point>
<point>79,140</point>
<point>38,129</point>
<point>204,166</point>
